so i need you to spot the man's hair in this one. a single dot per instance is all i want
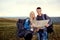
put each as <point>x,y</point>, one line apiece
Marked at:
<point>38,7</point>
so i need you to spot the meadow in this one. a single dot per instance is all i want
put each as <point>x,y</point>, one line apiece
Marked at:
<point>8,31</point>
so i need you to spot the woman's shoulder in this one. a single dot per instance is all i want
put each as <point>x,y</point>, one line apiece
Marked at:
<point>27,20</point>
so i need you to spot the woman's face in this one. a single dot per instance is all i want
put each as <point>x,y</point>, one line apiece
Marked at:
<point>32,15</point>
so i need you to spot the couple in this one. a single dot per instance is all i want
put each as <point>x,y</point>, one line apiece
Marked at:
<point>41,32</point>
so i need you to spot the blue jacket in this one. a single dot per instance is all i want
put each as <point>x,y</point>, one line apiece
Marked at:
<point>27,24</point>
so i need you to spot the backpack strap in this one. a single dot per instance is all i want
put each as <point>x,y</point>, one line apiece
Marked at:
<point>27,20</point>
<point>44,17</point>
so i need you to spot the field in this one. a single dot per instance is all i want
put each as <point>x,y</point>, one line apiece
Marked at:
<point>8,31</point>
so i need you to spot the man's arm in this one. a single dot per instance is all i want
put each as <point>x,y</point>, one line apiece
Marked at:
<point>50,21</point>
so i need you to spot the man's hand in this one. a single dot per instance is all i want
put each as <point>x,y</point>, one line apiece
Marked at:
<point>37,29</point>
<point>47,25</point>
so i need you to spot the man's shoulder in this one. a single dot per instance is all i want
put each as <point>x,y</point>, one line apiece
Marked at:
<point>44,14</point>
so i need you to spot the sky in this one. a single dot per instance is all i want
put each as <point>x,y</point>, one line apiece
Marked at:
<point>22,8</point>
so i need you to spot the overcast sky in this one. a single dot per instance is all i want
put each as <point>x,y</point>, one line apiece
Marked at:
<point>20,8</point>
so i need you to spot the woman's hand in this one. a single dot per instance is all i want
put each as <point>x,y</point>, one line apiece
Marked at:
<point>33,25</point>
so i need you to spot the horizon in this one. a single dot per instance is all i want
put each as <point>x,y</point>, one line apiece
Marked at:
<point>24,17</point>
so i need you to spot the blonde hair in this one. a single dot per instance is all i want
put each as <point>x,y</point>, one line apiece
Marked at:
<point>32,15</point>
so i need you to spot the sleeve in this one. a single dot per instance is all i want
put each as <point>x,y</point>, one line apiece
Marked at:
<point>50,21</point>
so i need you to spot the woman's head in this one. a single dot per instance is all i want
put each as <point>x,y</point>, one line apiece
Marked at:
<point>32,14</point>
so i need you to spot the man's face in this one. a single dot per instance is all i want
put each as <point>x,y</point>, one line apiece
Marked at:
<point>38,11</point>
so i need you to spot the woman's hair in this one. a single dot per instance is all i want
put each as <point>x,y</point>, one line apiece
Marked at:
<point>32,14</point>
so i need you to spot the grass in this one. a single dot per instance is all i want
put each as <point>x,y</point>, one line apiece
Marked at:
<point>8,31</point>
<point>56,34</point>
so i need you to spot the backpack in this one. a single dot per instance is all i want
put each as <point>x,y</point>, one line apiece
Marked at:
<point>20,28</point>
<point>22,32</point>
<point>50,28</point>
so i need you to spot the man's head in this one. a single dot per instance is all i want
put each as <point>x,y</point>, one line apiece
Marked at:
<point>38,10</point>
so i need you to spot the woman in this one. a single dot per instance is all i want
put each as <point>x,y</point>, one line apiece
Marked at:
<point>32,20</point>
<point>29,26</point>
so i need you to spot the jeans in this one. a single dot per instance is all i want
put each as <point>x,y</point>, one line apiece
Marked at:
<point>42,35</point>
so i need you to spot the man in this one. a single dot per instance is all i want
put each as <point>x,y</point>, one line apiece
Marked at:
<point>42,32</point>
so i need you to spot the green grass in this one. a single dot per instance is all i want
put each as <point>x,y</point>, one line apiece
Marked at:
<point>8,31</point>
